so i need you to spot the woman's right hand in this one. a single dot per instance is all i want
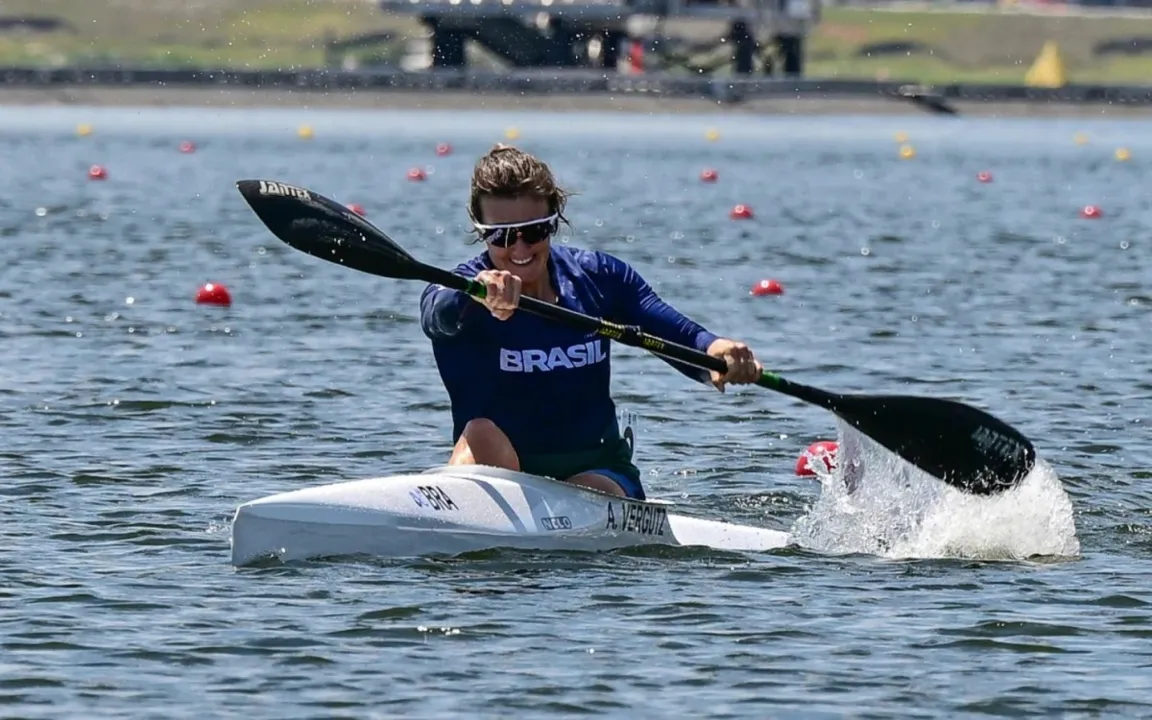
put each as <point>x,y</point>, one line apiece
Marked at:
<point>502,292</point>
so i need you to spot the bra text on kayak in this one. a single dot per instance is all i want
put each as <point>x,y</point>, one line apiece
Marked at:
<point>431,496</point>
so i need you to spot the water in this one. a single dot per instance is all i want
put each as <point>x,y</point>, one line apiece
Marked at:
<point>135,421</point>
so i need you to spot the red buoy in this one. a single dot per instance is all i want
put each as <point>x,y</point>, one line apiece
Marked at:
<point>213,294</point>
<point>822,451</point>
<point>767,287</point>
<point>741,212</point>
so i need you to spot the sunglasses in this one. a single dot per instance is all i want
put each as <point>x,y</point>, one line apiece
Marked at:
<point>504,235</point>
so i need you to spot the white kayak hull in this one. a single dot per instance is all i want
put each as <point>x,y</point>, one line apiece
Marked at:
<point>454,510</point>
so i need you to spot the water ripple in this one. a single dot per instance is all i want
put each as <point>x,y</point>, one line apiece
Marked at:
<point>135,421</point>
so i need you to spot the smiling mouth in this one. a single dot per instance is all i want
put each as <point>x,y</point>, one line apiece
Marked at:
<point>523,262</point>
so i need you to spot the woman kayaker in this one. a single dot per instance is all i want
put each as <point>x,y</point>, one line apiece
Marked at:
<point>527,393</point>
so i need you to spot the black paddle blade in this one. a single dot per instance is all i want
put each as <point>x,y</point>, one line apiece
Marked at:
<point>326,229</point>
<point>963,446</point>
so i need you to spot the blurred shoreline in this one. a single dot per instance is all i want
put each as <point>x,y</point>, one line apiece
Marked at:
<point>247,97</point>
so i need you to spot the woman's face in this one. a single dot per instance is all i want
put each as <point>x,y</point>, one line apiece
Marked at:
<point>526,253</point>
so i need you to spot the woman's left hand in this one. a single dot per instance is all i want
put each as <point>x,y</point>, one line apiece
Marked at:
<point>742,365</point>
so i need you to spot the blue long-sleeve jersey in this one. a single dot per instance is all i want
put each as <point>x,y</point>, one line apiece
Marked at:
<point>546,385</point>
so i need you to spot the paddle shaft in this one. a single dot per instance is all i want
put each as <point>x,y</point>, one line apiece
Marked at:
<point>633,336</point>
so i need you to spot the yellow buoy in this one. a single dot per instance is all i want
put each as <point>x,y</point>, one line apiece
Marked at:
<point>83,129</point>
<point>1080,138</point>
<point>1122,154</point>
<point>901,137</point>
<point>511,133</point>
<point>711,134</point>
<point>305,132</point>
<point>1047,69</point>
<point>907,152</point>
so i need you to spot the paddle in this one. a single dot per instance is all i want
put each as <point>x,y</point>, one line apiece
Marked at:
<point>965,447</point>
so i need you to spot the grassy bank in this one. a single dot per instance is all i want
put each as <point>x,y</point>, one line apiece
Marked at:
<point>939,47</point>
<point>257,34</point>
<point>970,47</point>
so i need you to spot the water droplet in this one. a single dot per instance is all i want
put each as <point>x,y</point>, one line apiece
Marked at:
<point>599,223</point>
<point>41,211</point>
<point>629,238</point>
<point>858,174</point>
<point>129,300</point>
<point>865,251</point>
<point>261,250</point>
<point>1060,240</point>
<point>935,224</point>
<point>1123,244</point>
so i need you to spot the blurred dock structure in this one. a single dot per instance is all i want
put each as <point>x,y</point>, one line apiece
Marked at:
<point>761,36</point>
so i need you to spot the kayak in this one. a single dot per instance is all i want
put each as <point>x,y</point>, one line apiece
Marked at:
<point>467,508</point>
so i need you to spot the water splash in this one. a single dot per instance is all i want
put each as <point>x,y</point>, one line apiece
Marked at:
<point>877,504</point>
